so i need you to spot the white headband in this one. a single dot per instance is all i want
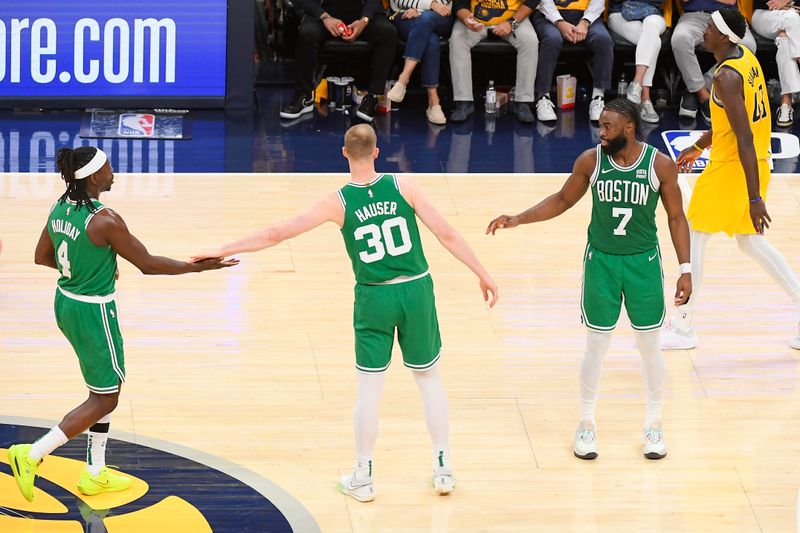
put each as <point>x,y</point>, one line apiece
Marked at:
<point>722,26</point>
<point>92,166</point>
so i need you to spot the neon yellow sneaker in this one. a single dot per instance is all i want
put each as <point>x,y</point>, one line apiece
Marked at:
<point>106,481</point>
<point>24,468</point>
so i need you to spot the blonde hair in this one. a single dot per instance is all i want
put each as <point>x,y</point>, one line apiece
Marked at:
<point>360,142</point>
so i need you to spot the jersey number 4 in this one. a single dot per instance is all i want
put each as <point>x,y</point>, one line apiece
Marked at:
<point>759,109</point>
<point>63,259</point>
<point>381,239</point>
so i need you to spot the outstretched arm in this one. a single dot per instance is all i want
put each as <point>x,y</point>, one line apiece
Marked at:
<point>108,228</point>
<point>667,173</point>
<point>555,204</point>
<point>728,88</point>
<point>327,209</point>
<point>448,236</point>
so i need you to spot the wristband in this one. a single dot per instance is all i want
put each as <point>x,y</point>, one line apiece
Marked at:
<point>694,145</point>
<point>755,200</point>
<point>686,268</point>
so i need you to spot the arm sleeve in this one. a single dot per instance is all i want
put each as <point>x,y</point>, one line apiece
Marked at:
<point>310,7</point>
<point>594,10</point>
<point>548,9</point>
<point>371,7</point>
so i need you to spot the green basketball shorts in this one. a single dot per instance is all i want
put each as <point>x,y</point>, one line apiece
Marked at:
<point>90,324</point>
<point>609,279</point>
<point>409,308</point>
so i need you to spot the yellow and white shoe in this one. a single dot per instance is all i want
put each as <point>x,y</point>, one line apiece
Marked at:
<point>106,481</point>
<point>24,468</point>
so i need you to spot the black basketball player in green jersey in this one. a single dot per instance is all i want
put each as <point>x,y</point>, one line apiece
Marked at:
<point>377,214</point>
<point>81,240</point>
<point>622,261</point>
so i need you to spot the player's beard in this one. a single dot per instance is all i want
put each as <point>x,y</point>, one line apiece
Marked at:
<point>614,145</point>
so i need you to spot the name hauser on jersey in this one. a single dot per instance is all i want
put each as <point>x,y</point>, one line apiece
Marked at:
<point>375,209</point>
<point>629,192</point>
<point>65,227</point>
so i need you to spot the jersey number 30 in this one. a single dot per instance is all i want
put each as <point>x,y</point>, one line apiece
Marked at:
<point>381,239</point>
<point>63,260</point>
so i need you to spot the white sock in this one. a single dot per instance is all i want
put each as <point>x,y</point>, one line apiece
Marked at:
<point>771,260</point>
<point>49,442</point>
<point>96,445</point>
<point>654,373</point>
<point>598,92</point>
<point>591,368</point>
<point>437,417</point>
<point>682,318</point>
<point>370,387</point>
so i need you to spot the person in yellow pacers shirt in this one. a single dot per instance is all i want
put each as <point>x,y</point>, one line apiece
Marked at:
<point>730,194</point>
<point>507,19</point>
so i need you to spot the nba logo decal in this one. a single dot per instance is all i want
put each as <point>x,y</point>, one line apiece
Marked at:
<point>679,140</point>
<point>137,124</point>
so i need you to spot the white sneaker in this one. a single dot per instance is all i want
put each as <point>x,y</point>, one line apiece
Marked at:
<point>795,342</point>
<point>397,93</point>
<point>359,489</point>
<point>648,113</point>
<point>596,107</point>
<point>546,109</point>
<point>673,338</point>
<point>654,445</point>
<point>585,446</point>
<point>443,480</point>
<point>634,92</point>
<point>785,116</point>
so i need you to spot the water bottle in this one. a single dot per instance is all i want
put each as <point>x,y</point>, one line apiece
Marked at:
<point>622,86</point>
<point>491,99</point>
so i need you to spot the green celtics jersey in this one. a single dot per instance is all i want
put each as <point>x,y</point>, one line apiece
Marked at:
<point>624,201</point>
<point>380,231</point>
<point>86,269</point>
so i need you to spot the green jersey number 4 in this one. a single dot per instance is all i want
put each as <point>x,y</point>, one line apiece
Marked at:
<point>626,213</point>
<point>63,259</point>
<point>382,240</point>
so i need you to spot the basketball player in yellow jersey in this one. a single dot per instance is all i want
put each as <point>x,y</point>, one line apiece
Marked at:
<point>730,193</point>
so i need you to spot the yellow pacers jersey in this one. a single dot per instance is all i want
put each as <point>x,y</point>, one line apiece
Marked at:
<point>723,141</point>
<point>720,200</point>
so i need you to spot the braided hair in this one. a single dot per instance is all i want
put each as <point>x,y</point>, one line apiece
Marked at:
<point>67,162</point>
<point>626,108</point>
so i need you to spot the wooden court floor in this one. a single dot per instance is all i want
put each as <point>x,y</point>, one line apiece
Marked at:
<point>254,364</point>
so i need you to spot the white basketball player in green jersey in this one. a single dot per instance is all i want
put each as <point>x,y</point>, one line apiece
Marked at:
<point>377,216</point>
<point>81,240</point>
<point>622,260</point>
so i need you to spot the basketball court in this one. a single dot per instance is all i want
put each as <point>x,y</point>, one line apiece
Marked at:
<point>249,371</point>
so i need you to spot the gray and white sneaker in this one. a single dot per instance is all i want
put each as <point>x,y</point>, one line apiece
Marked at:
<point>785,116</point>
<point>545,109</point>
<point>443,480</point>
<point>795,342</point>
<point>360,489</point>
<point>585,446</point>
<point>654,445</point>
<point>648,113</point>
<point>675,338</point>
<point>596,108</point>
<point>634,92</point>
